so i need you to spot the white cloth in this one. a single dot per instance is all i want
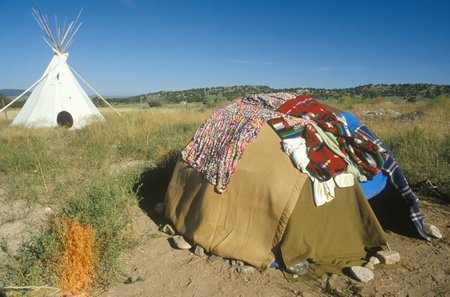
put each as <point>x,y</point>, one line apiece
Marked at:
<point>344,180</point>
<point>296,149</point>
<point>323,192</point>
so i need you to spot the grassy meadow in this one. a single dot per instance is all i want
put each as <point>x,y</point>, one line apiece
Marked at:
<point>82,186</point>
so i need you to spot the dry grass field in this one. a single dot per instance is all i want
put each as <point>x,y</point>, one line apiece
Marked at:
<point>100,183</point>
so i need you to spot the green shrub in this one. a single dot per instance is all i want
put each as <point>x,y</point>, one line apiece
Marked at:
<point>442,101</point>
<point>103,203</point>
<point>35,262</point>
<point>105,207</point>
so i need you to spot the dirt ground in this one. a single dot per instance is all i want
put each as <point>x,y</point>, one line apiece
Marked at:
<point>156,269</point>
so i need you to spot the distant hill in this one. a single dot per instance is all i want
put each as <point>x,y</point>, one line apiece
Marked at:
<point>406,91</point>
<point>410,92</point>
<point>7,95</point>
<point>13,92</point>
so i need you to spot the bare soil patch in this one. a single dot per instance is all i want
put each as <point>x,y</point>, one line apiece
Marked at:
<point>156,269</point>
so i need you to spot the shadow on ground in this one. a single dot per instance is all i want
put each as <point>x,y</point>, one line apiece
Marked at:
<point>393,213</point>
<point>152,184</point>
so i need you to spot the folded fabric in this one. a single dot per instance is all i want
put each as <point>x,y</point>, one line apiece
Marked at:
<point>332,147</point>
<point>344,180</point>
<point>323,192</point>
<point>296,149</point>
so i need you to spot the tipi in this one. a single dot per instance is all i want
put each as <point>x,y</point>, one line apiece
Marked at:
<point>57,98</point>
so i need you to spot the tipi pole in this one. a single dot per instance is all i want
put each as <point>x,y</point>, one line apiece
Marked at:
<point>93,90</point>
<point>24,92</point>
<point>6,115</point>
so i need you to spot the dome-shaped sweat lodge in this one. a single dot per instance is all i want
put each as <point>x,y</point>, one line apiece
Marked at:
<point>277,177</point>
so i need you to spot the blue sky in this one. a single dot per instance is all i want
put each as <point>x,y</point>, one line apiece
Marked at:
<point>130,47</point>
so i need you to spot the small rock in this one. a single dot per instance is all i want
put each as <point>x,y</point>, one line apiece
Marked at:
<point>232,262</point>
<point>214,258</point>
<point>130,280</point>
<point>361,274</point>
<point>246,269</point>
<point>199,251</point>
<point>160,208</point>
<point>369,265</point>
<point>299,268</point>
<point>240,263</point>
<point>168,229</point>
<point>48,210</point>
<point>432,231</point>
<point>180,243</point>
<point>388,257</point>
<point>374,260</point>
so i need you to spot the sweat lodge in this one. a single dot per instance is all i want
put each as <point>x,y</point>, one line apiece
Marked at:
<point>283,180</point>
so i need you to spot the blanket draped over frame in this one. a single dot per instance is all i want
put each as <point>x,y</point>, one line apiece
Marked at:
<point>268,205</point>
<point>219,143</point>
<point>248,221</point>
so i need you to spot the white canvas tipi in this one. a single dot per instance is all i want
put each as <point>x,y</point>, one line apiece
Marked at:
<point>57,98</point>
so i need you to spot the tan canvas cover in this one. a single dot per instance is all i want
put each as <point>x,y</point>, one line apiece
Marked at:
<point>242,222</point>
<point>249,219</point>
<point>335,235</point>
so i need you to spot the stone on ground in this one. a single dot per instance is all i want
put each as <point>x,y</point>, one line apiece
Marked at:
<point>180,243</point>
<point>361,274</point>
<point>388,257</point>
<point>374,260</point>
<point>214,258</point>
<point>246,269</point>
<point>199,251</point>
<point>432,231</point>
<point>168,229</point>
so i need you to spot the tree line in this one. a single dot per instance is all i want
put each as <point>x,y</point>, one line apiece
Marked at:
<point>217,95</point>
